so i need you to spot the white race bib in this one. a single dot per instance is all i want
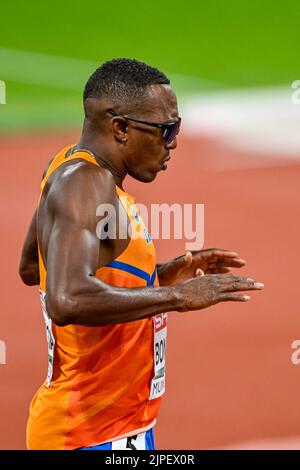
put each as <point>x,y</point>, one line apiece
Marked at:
<point>159,355</point>
<point>50,338</point>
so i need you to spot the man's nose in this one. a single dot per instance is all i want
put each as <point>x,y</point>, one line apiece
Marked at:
<point>171,145</point>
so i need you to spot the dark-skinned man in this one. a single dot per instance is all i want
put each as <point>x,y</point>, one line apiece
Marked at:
<point>105,299</point>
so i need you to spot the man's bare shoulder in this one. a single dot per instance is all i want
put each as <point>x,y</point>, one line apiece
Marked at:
<point>78,187</point>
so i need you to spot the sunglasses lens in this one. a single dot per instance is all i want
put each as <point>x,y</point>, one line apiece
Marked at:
<point>171,131</point>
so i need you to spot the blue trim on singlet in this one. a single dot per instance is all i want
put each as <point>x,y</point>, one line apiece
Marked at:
<point>149,443</point>
<point>133,270</point>
<point>152,278</point>
<point>136,216</point>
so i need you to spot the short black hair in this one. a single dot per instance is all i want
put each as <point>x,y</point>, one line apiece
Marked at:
<point>123,80</point>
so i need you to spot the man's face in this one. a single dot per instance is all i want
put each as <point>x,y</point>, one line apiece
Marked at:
<point>146,149</point>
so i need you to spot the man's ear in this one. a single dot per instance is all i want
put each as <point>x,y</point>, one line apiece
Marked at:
<point>119,128</point>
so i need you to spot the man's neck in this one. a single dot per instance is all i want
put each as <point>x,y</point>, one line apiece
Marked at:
<point>106,158</point>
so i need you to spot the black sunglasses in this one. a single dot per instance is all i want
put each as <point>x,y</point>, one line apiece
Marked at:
<point>169,131</point>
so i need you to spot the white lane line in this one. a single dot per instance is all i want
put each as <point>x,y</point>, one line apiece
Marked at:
<point>255,120</point>
<point>43,69</point>
<point>65,72</point>
<point>260,121</point>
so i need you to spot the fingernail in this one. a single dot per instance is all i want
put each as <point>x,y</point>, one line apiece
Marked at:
<point>259,284</point>
<point>246,297</point>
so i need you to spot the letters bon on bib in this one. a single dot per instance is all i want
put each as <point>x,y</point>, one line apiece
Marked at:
<point>159,352</point>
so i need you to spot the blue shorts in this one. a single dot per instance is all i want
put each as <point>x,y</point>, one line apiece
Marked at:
<point>142,441</point>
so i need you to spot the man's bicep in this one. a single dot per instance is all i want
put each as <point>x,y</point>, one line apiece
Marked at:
<point>73,245</point>
<point>73,253</point>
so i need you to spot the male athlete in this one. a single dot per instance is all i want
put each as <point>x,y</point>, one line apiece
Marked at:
<point>104,297</point>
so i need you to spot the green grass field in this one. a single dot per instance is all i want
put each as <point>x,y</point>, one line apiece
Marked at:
<point>202,45</point>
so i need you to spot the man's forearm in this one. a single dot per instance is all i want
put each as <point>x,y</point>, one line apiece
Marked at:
<point>111,305</point>
<point>91,302</point>
<point>30,274</point>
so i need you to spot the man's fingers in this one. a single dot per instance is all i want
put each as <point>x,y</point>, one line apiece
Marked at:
<point>236,262</point>
<point>233,262</point>
<point>221,270</point>
<point>212,255</point>
<point>217,252</point>
<point>242,284</point>
<point>233,297</point>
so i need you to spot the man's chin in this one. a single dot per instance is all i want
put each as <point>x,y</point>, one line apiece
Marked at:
<point>145,177</point>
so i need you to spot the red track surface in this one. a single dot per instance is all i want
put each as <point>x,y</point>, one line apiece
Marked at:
<point>230,375</point>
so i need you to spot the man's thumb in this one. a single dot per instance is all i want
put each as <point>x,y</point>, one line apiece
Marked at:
<point>199,272</point>
<point>188,259</point>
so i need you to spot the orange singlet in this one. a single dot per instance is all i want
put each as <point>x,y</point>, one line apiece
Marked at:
<point>105,382</point>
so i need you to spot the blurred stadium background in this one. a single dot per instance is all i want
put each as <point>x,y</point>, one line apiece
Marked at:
<point>233,375</point>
